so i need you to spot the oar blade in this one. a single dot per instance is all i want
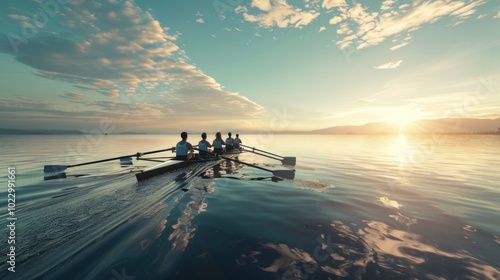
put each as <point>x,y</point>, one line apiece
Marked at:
<point>54,168</point>
<point>126,161</point>
<point>285,174</point>
<point>289,161</point>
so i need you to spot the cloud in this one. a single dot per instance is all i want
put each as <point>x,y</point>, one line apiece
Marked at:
<point>389,65</point>
<point>241,9</point>
<point>405,42</point>
<point>328,4</point>
<point>279,13</point>
<point>387,5</point>
<point>73,95</point>
<point>335,20</point>
<point>118,50</point>
<point>322,28</point>
<point>399,46</point>
<point>372,28</point>
<point>25,102</point>
<point>497,15</point>
<point>404,6</point>
<point>200,20</point>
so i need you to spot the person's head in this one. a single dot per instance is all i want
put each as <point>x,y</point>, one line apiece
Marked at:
<point>184,135</point>
<point>204,136</point>
<point>237,135</point>
<point>218,135</point>
<point>229,134</point>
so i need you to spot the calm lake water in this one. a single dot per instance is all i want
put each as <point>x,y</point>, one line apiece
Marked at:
<point>360,207</point>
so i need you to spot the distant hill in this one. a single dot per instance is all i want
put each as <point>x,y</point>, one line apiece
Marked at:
<point>449,125</point>
<point>7,131</point>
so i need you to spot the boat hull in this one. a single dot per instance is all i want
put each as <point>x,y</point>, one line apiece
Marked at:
<point>168,166</point>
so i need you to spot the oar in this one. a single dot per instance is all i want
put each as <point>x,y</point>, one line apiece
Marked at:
<point>59,168</point>
<point>287,174</point>
<point>284,160</point>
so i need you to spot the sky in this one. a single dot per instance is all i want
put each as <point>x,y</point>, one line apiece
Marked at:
<point>218,65</point>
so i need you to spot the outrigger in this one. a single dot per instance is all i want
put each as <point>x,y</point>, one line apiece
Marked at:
<point>54,171</point>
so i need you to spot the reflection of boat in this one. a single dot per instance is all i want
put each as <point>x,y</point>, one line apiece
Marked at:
<point>173,165</point>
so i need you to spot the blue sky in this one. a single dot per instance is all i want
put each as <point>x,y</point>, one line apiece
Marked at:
<point>252,65</point>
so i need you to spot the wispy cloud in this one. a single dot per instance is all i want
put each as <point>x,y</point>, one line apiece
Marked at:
<point>372,28</point>
<point>73,95</point>
<point>399,46</point>
<point>389,65</point>
<point>241,9</point>
<point>322,28</point>
<point>405,42</point>
<point>200,20</point>
<point>278,13</point>
<point>497,15</point>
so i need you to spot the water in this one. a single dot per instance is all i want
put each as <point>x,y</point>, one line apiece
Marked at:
<point>368,207</point>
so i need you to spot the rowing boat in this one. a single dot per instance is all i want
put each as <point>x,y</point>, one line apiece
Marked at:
<point>172,165</point>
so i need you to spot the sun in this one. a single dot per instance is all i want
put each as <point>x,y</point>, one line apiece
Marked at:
<point>403,124</point>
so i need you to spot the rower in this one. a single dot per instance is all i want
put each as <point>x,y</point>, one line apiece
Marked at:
<point>237,141</point>
<point>229,142</point>
<point>203,145</point>
<point>217,143</point>
<point>183,149</point>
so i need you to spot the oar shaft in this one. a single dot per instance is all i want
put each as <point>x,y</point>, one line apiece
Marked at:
<point>253,148</point>
<point>249,164</point>
<point>264,155</point>
<point>115,158</point>
<point>157,151</point>
<point>98,161</point>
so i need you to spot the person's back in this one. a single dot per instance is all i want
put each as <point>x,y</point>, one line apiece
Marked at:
<point>183,149</point>
<point>203,145</point>
<point>229,142</point>
<point>237,141</point>
<point>217,143</point>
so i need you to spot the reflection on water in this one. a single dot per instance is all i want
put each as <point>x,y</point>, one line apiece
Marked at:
<point>373,251</point>
<point>389,203</point>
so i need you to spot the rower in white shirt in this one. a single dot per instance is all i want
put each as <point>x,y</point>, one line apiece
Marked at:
<point>229,142</point>
<point>217,143</point>
<point>203,145</point>
<point>183,149</point>
<point>237,141</point>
